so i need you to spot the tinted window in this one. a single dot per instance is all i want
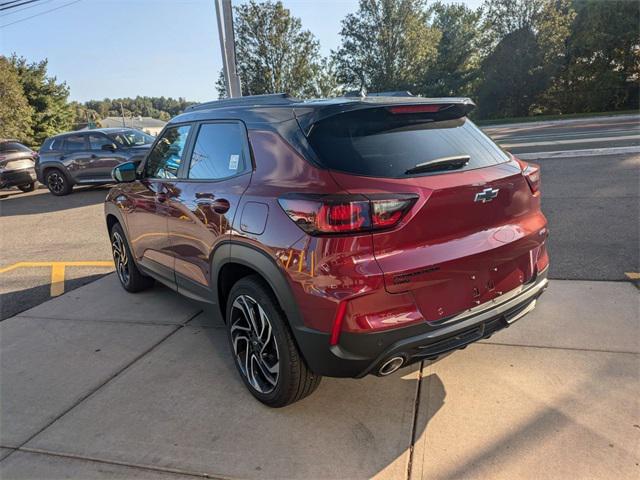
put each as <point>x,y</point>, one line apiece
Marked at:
<point>377,143</point>
<point>10,147</point>
<point>165,158</point>
<point>96,141</point>
<point>218,151</point>
<point>74,142</point>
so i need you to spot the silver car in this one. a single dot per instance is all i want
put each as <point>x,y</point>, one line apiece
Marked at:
<point>17,165</point>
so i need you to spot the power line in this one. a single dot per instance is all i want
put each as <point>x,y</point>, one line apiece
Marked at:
<point>40,13</point>
<point>25,8</point>
<point>8,7</point>
<point>9,3</point>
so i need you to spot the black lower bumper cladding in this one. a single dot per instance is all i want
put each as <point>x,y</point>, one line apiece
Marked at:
<point>358,355</point>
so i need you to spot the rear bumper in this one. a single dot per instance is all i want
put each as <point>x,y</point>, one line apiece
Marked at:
<point>359,354</point>
<point>10,178</point>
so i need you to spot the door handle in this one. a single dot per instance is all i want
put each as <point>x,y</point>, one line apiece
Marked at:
<point>205,195</point>
<point>221,205</point>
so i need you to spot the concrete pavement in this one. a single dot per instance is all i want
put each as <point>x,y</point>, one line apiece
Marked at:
<point>143,386</point>
<point>571,134</point>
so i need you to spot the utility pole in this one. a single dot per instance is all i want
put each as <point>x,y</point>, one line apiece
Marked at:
<point>122,113</point>
<point>228,47</point>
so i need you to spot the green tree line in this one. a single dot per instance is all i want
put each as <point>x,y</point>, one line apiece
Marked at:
<point>514,57</point>
<point>35,105</point>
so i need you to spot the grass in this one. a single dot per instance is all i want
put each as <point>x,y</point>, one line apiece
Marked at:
<point>542,118</point>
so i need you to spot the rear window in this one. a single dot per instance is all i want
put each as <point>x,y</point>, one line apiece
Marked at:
<point>377,143</point>
<point>11,147</point>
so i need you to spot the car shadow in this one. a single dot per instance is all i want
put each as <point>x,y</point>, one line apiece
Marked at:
<point>15,302</point>
<point>359,404</point>
<point>15,203</point>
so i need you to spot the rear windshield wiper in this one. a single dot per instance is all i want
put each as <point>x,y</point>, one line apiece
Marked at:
<point>442,163</point>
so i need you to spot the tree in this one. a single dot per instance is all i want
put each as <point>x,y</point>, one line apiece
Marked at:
<point>15,112</point>
<point>386,45</point>
<point>513,76</point>
<point>51,114</point>
<point>273,53</point>
<point>602,69</point>
<point>457,60</point>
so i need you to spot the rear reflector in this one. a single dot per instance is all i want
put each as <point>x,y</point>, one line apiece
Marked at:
<point>336,214</point>
<point>532,174</point>
<point>405,109</point>
<point>337,323</point>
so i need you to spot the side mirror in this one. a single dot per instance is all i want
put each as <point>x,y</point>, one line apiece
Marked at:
<point>111,147</point>
<point>125,172</point>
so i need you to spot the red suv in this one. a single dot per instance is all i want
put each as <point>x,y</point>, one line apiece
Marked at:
<point>339,237</point>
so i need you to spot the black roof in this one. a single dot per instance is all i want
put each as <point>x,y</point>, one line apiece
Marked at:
<point>281,107</point>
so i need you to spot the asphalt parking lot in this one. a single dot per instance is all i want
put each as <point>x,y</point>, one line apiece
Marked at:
<point>98,383</point>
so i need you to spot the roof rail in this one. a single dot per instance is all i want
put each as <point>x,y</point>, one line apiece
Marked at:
<point>249,100</point>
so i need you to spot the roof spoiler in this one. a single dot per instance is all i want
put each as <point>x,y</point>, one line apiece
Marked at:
<point>437,108</point>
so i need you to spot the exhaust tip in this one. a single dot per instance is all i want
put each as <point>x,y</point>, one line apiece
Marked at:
<point>390,366</point>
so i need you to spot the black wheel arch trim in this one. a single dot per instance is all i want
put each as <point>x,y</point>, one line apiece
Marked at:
<point>234,251</point>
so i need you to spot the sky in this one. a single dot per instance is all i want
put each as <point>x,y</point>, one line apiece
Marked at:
<point>125,48</point>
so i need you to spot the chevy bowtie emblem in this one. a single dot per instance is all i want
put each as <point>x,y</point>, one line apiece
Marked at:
<point>486,195</point>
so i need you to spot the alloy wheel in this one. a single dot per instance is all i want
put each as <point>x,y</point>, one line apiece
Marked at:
<point>55,182</point>
<point>254,344</point>
<point>120,258</point>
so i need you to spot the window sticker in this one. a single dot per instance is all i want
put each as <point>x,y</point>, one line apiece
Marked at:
<point>233,162</point>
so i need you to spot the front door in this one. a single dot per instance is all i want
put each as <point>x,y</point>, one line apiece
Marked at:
<point>150,208</point>
<point>103,158</point>
<point>205,200</point>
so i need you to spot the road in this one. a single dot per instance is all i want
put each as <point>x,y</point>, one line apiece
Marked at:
<point>592,203</point>
<point>38,227</point>
<point>577,134</point>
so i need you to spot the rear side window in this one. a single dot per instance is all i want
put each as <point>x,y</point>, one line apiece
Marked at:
<point>74,143</point>
<point>377,143</point>
<point>10,147</point>
<point>218,152</point>
<point>166,156</point>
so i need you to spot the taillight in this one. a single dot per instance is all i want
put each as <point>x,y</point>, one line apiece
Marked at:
<point>532,174</point>
<point>335,214</point>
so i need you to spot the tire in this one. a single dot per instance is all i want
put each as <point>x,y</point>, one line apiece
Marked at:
<point>131,279</point>
<point>57,182</point>
<point>265,354</point>
<point>28,188</point>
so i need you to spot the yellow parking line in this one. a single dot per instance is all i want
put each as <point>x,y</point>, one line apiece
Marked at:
<point>633,275</point>
<point>57,279</point>
<point>57,271</point>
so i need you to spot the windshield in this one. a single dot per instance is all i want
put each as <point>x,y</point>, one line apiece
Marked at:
<point>375,143</point>
<point>131,138</point>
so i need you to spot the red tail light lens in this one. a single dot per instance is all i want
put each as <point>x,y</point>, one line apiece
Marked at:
<point>406,109</point>
<point>532,174</point>
<point>334,214</point>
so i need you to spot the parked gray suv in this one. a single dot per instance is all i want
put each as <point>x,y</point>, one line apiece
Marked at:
<point>88,156</point>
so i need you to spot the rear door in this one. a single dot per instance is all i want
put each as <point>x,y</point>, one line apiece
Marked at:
<point>205,200</point>
<point>76,156</point>
<point>476,228</point>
